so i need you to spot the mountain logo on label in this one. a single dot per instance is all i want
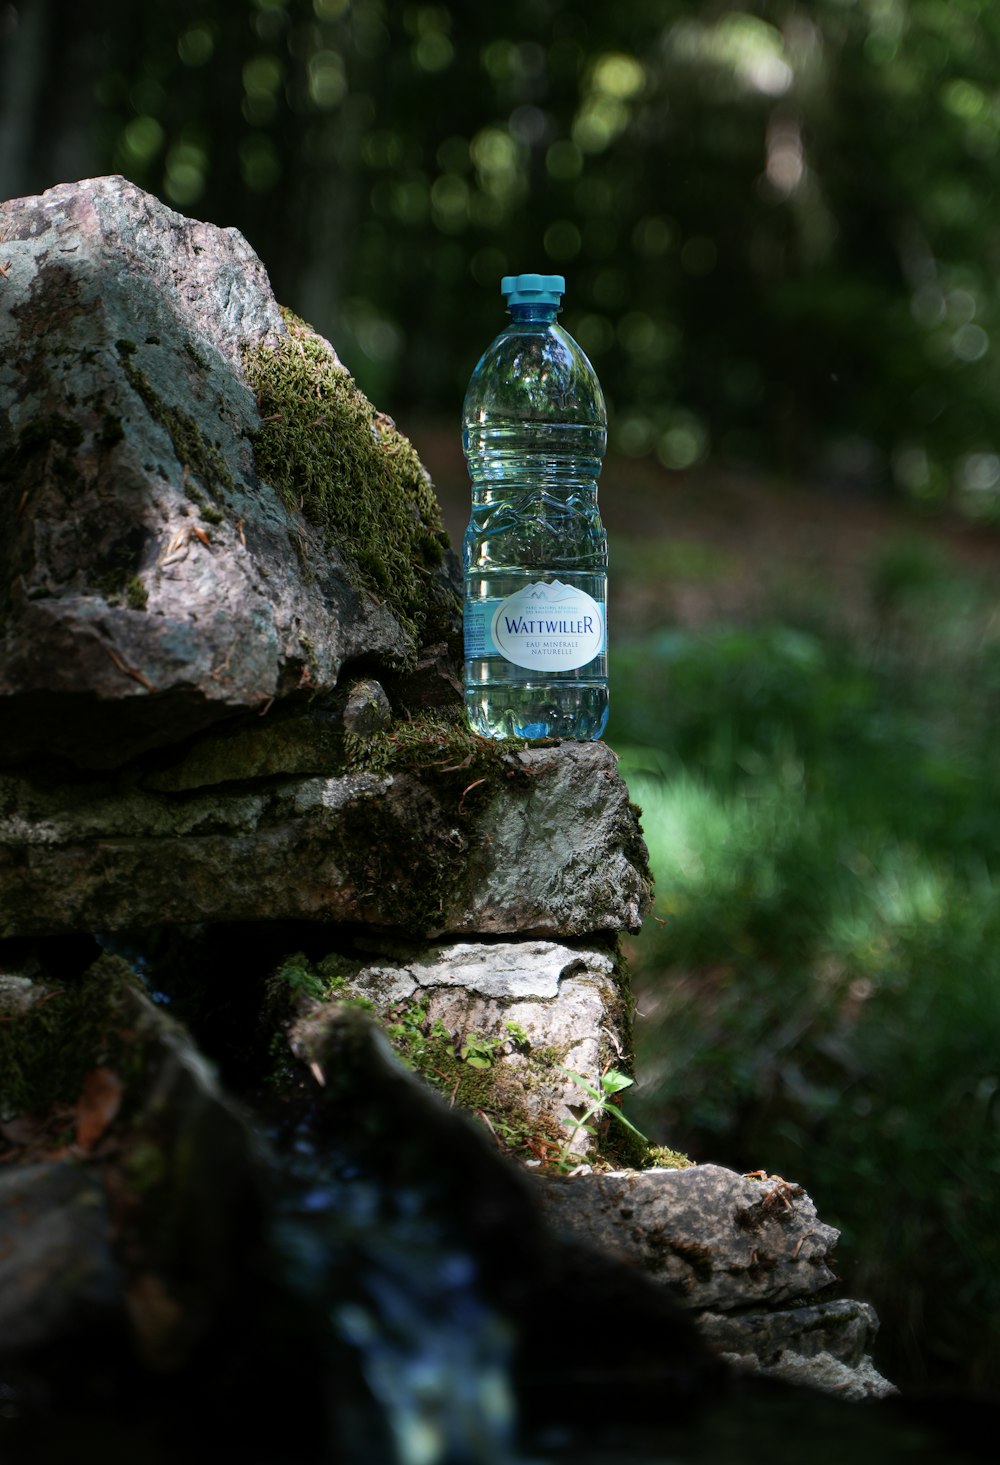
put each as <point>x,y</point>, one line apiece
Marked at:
<point>549,627</point>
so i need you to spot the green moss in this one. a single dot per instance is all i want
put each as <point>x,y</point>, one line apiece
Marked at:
<point>661,1157</point>
<point>437,741</point>
<point>48,1044</point>
<point>344,466</point>
<point>44,447</point>
<point>196,356</point>
<point>193,451</point>
<point>112,431</point>
<point>424,856</point>
<point>146,1166</point>
<point>115,573</point>
<point>136,594</point>
<point>469,1074</point>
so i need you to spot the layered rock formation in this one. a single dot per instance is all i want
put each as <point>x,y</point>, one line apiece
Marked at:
<point>232,760</point>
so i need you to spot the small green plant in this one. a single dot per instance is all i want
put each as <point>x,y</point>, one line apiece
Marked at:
<point>517,1034</point>
<point>301,978</point>
<point>611,1082</point>
<point>477,1051</point>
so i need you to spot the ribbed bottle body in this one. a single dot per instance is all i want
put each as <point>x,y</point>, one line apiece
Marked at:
<point>535,551</point>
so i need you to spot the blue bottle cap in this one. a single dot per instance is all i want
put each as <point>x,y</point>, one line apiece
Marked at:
<point>533,289</point>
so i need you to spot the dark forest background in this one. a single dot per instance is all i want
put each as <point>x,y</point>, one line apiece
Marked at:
<point>780,228</point>
<point>780,221</point>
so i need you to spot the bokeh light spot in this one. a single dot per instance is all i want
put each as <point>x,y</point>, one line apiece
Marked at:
<point>196,45</point>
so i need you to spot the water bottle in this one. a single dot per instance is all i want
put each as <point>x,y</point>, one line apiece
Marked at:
<point>535,553</point>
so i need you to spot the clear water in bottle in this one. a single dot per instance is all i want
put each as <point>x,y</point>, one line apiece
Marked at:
<point>535,552</point>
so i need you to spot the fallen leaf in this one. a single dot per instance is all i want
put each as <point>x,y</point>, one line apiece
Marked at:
<point>97,1105</point>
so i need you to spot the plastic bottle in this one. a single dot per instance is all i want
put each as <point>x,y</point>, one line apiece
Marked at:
<point>535,552</point>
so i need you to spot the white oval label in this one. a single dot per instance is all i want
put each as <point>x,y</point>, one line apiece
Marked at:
<point>549,627</point>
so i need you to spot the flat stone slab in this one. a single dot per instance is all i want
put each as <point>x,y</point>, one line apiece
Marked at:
<point>852,1383</point>
<point>840,1328</point>
<point>552,847</point>
<point>824,1345</point>
<point>715,1239</point>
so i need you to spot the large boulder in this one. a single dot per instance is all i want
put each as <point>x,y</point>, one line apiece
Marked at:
<point>153,576</point>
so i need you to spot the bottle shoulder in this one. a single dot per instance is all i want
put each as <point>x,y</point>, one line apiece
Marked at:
<point>535,371</point>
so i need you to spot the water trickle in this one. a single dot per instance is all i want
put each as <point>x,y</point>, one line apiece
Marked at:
<point>406,1299</point>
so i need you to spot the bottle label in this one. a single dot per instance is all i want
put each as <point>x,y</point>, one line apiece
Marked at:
<point>553,627</point>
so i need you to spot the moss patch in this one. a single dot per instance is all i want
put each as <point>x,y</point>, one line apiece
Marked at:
<point>455,774</point>
<point>40,432</point>
<point>661,1157</point>
<point>434,743</point>
<point>115,571</point>
<point>345,467</point>
<point>506,1082</point>
<point>52,1037</point>
<point>136,594</point>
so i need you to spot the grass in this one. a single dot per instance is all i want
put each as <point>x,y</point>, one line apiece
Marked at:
<point>819,989</point>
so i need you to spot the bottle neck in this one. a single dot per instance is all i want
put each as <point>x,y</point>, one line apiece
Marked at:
<point>532,314</point>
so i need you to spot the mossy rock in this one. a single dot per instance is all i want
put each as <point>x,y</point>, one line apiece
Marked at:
<point>351,474</point>
<point>513,1034</point>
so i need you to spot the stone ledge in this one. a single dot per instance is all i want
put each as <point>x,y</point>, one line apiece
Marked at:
<point>555,850</point>
<point>715,1239</point>
<point>734,1251</point>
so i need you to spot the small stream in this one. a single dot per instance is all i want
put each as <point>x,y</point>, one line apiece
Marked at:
<point>369,1244</point>
<point>405,1298</point>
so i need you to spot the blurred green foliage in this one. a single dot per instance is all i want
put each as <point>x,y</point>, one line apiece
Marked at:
<point>780,221</point>
<point>820,987</point>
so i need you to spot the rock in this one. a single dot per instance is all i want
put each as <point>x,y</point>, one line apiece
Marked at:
<point>841,1328</point>
<point>133,1190</point>
<point>825,1345</point>
<point>732,1250</point>
<point>715,1239</point>
<point>575,864</point>
<point>823,1372</point>
<point>423,1293</point>
<point>542,842</point>
<point>150,581</point>
<point>223,583</point>
<point>58,1277</point>
<point>586,1323</point>
<point>501,1028</point>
